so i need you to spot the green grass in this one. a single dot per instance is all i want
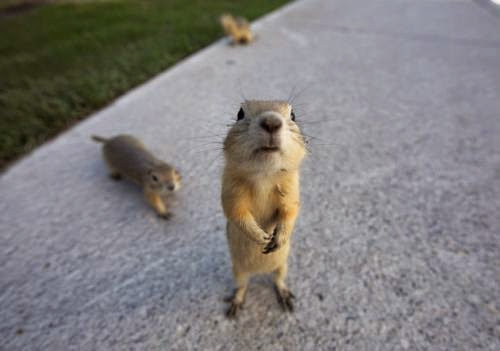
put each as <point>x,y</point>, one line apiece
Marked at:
<point>61,61</point>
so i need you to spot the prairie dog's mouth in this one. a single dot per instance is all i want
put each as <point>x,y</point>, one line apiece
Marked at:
<point>267,149</point>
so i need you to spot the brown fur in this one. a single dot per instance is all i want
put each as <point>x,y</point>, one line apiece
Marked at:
<point>260,194</point>
<point>237,28</point>
<point>128,157</point>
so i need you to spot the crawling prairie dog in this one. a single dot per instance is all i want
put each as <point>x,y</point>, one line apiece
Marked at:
<point>128,157</point>
<point>237,28</point>
<point>263,151</point>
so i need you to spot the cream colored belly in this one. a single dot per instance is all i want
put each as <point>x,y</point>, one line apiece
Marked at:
<point>247,255</point>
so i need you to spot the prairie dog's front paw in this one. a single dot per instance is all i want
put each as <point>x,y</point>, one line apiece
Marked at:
<point>166,215</point>
<point>270,247</point>
<point>264,238</point>
<point>275,243</point>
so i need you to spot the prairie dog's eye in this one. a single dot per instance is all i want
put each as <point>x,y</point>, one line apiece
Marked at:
<point>241,114</point>
<point>155,178</point>
<point>292,115</point>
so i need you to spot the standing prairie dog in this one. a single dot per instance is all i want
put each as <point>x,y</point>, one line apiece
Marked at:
<point>127,157</point>
<point>237,28</point>
<point>260,194</point>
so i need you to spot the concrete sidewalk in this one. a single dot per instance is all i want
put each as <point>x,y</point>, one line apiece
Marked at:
<point>397,245</point>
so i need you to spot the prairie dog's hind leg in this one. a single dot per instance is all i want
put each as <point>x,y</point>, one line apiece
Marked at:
<point>284,295</point>
<point>238,297</point>
<point>113,173</point>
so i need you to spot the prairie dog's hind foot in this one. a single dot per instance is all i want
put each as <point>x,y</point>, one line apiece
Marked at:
<point>236,303</point>
<point>238,297</point>
<point>115,176</point>
<point>232,311</point>
<point>285,298</point>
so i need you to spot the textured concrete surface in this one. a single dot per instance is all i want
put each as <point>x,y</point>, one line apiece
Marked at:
<point>397,245</point>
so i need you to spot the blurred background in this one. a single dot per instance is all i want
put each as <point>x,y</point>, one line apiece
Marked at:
<point>62,59</point>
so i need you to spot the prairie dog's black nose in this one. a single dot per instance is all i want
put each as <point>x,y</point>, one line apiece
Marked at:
<point>271,124</point>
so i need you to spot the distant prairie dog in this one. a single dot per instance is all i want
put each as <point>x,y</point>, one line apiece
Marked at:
<point>237,28</point>
<point>127,157</point>
<point>263,151</point>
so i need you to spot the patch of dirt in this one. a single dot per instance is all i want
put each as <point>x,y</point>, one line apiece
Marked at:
<point>21,7</point>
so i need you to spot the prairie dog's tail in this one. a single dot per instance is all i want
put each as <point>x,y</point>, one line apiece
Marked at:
<point>99,139</point>
<point>233,24</point>
<point>228,23</point>
<point>237,28</point>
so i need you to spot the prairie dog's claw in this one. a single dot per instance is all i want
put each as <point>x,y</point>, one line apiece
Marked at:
<point>165,216</point>
<point>270,247</point>
<point>285,298</point>
<point>233,310</point>
<point>265,239</point>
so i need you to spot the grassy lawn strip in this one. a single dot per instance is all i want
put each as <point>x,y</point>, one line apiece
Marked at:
<point>62,60</point>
